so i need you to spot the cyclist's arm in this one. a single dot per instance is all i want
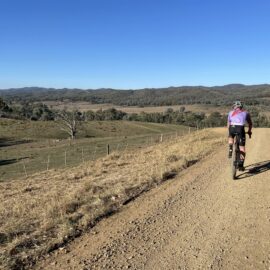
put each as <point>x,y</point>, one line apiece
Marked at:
<point>228,121</point>
<point>249,121</point>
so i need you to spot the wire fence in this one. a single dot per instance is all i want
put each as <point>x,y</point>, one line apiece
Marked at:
<point>24,161</point>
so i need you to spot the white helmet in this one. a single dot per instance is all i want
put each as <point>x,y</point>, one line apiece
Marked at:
<point>237,104</point>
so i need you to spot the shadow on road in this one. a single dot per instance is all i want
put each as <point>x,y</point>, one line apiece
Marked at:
<point>255,169</point>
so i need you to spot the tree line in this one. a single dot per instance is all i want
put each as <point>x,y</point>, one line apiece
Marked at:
<point>26,110</point>
<point>182,117</point>
<point>69,120</point>
<point>217,96</point>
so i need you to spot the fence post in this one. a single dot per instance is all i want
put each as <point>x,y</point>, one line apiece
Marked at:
<point>94,155</point>
<point>108,149</point>
<point>161,137</point>
<point>24,169</point>
<point>48,162</point>
<point>126,147</point>
<point>82,155</point>
<point>65,157</point>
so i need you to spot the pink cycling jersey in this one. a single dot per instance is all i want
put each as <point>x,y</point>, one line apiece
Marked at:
<point>238,117</point>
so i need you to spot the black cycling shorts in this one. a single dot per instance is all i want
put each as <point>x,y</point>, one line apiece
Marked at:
<point>233,130</point>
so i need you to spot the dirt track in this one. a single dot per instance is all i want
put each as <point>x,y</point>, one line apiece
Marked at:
<point>200,220</point>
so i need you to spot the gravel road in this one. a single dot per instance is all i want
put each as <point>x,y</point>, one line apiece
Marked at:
<point>200,220</point>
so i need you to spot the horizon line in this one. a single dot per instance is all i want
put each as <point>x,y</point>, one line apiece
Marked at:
<point>131,89</point>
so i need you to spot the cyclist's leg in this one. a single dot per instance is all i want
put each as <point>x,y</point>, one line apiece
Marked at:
<point>242,152</point>
<point>242,158</point>
<point>242,147</point>
<point>231,141</point>
<point>230,147</point>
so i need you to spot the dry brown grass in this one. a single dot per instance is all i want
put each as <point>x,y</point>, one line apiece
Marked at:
<point>42,213</point>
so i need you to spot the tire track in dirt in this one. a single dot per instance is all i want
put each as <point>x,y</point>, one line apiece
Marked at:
<point>200,220</point>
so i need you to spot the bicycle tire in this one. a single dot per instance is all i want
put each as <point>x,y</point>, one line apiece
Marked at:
<point>235,157</point>
<point>233,165</point>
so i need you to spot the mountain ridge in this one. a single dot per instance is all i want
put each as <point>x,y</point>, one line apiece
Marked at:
<point>216,95</point>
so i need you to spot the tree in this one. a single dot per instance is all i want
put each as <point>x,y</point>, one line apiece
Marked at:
<point>216,119</point>
<point>68,121</point>
<point>169,111</point>
<point>182,109</point>
<point>4,108</point>
<point>89,115</point>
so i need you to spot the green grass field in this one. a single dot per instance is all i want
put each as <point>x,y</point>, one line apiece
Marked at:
<point>27,147</point>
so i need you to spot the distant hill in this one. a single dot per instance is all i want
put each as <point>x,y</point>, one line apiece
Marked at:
<point>217,95</point>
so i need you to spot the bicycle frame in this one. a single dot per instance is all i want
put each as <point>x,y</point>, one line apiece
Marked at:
<point>236,154</point>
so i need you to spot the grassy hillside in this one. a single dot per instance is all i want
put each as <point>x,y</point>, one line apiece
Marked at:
<point>44,211</point>
<point>30,146</point>
<point>39,130</point>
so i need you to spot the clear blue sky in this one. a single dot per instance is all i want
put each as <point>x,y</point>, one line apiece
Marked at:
<point>133,43</point>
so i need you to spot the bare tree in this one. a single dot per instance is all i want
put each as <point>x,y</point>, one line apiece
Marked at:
<point>68,121</point>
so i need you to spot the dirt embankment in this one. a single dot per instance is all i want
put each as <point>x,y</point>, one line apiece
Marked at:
<point>200,220</point>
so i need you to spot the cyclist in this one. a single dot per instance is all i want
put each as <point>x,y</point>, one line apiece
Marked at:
<point>236,124</point>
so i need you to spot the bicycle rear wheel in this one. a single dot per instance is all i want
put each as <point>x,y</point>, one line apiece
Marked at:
<point>233,165</point>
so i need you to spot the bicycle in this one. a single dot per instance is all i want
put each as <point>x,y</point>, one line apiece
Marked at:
<point>236,154</point>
